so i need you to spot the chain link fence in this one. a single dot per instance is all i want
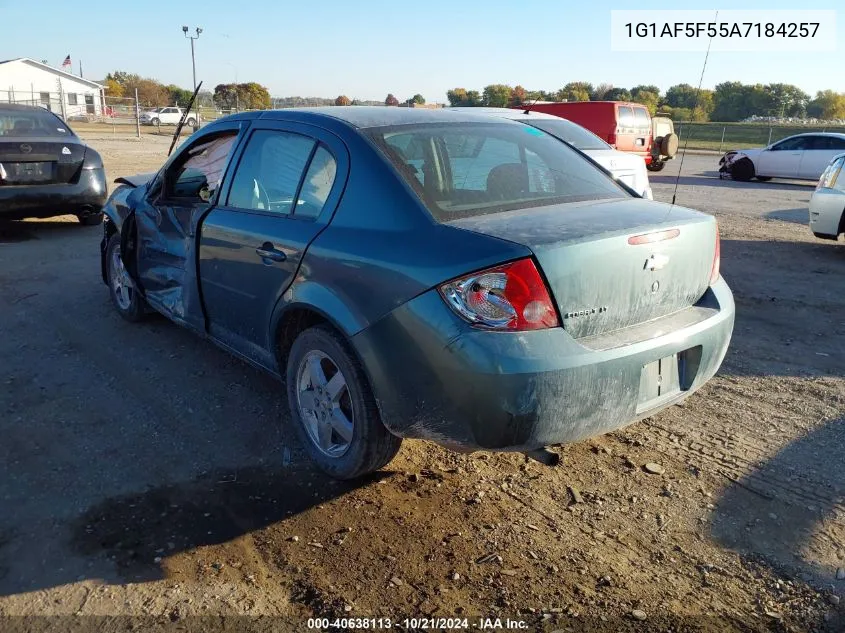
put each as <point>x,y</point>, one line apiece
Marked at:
<point>723,137</point>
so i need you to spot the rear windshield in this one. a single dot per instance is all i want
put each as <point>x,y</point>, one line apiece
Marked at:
<point>641,117</point>
<point>31,123</point>
<point>570,132</point>
<point>462,170</point>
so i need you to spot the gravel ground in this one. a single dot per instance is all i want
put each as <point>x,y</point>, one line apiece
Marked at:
<point>145,473</point>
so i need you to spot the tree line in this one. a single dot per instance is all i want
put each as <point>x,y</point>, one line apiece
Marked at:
<point>151,92</point>
<point>390,100</point>
<point>728,101</point>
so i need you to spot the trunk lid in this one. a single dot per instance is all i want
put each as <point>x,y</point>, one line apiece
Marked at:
<point>599,281</point>
<point>39,161</point>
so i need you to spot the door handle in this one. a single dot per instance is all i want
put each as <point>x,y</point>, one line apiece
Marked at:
<point>268,251</point>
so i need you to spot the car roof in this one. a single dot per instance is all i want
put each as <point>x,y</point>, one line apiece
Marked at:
<point>833,134</point>
<point>514,114</point>
<point>20,107</point>
<point>378,116</point>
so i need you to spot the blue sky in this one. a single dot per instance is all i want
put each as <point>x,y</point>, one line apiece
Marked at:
<point>368,48</point>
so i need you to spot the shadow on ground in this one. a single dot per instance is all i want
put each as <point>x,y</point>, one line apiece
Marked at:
<point>135,532</point>
<point>790,303</point>
<point>788,512</point>
<point>798,216</point>
<point>125,538</point>
<point>43,229</point>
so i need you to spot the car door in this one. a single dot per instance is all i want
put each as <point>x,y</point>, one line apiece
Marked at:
<point>782,159</point>
<point>625,129</point>
<point>165,225</point>
<point>168,115</point>
<point>817,156</point>
<point>287,182</point>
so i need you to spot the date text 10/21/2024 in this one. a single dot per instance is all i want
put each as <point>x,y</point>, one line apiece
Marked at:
<point>485,624</point>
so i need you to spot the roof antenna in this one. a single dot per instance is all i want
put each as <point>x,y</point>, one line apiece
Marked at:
<point>697,101</point>
<point>533,103</point>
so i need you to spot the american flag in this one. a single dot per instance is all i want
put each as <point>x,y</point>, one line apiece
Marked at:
<point>67,63</point>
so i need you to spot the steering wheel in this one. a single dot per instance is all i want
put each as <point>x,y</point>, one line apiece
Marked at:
<point>262,194</point>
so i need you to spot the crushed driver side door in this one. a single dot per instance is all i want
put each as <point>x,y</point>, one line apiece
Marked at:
<point>163,228</point>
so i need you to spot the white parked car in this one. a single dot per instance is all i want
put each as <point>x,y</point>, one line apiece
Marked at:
<point>166,116</point>
<point>827,206</point>
<point>627,168</point>
<point>802,157</point>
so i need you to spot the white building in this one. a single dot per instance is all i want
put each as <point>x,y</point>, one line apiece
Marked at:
<point>25,80</point>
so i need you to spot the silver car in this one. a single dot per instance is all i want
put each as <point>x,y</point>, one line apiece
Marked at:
<point>625,167</point>
<point>827,206</point>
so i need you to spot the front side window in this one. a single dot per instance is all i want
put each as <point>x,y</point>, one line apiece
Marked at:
<point>270,170</point>
<point>467,169</point>
<point>197,174</point>
<point>794,144</point>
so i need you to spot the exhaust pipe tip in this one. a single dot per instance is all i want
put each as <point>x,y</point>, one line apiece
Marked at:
<point>544,456</point>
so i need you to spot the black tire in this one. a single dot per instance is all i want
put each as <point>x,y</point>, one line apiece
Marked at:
<point>90,219</point>
<point>656,165</point>
<point>763,178</point>
<point>371,446</point>
<point>742,170</point>
<point>191,122</point>
<point>155,122</point>
<point>135,310</point>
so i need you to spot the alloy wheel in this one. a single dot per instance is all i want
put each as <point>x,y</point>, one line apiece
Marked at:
<point>120,281</point>
<point>325,404</point>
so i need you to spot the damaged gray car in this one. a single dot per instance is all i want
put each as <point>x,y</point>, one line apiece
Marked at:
<point>410,273</point>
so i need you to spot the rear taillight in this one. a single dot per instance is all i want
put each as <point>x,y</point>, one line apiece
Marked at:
<point>717,256</point>
<point>611,139</point>
<point>512,297</point>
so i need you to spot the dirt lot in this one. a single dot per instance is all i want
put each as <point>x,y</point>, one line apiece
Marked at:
<point>143,472</point>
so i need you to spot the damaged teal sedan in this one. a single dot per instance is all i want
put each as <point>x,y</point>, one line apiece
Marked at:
<point>409,273</point>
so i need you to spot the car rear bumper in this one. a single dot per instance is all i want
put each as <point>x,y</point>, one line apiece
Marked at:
<point>826,221</point>
<point>44,201</point>
<point>437,378</point>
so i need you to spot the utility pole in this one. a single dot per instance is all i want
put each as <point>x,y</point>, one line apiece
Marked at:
<point>198,31</point>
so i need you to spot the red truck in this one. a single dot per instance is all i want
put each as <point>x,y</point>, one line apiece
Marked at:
<point>626,126</point>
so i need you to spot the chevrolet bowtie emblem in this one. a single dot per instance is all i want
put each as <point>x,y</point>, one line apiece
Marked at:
<point>656,262</point>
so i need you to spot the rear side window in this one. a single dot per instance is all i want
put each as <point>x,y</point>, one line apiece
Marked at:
<point>467,169</point>
<point>317,184</point>
<point>270,170</point>
<point>827,143</point>
<point>626,116</point>
<point>199,170</point>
